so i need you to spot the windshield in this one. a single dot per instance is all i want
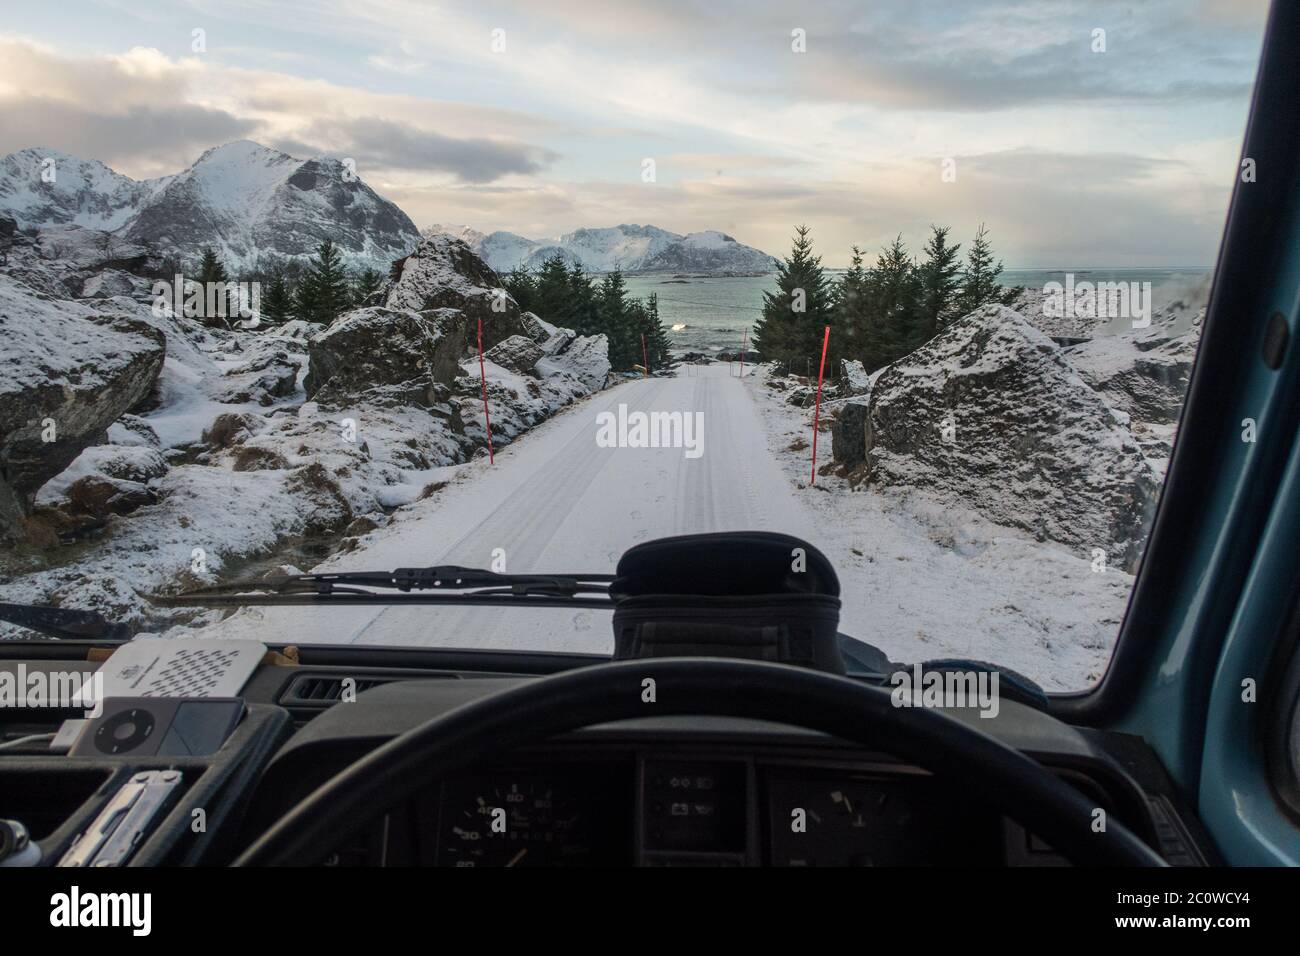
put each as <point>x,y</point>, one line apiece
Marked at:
<point>520,287</point>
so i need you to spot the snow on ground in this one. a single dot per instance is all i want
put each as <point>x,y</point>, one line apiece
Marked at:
<point>924,580</point>
<point>919,580</point>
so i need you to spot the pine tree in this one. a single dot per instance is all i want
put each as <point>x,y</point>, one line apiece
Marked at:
<point>210,267</point>
<point>851,301</point>
<point>658,345</point>
<point>893,294</point>
<point>277,302</point>
<point>790,331</point>
<point>583,305</point>
<point>521,285</point>
<point>211,273</point>
<point>550,296</point>
<point>940,283</point>
<point>618,322</point>
<point>323,293</point>
<point>366,284</point>
<point>979,285</point>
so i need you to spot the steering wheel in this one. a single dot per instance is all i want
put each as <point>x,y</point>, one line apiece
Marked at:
<point>1001,776</point>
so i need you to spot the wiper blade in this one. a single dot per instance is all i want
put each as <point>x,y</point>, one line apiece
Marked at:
<point>65,623</point>
<point>456,584</point>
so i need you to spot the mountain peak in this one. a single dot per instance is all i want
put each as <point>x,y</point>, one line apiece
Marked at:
<point>243,199</point>
<point>240,149</point>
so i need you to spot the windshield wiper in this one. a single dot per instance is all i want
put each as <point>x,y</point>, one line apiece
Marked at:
<point>455,584</point>
<point>65,623</point>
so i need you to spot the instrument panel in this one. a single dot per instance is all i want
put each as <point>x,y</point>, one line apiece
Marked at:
<point>694,810</point>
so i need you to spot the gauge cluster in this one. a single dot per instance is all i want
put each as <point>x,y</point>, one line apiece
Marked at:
<point>534,817</point>
<point>694,810</point>
<point>845,819</point>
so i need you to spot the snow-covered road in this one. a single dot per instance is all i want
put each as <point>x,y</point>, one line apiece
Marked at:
<point>920,578</point>
<point>557,501</point>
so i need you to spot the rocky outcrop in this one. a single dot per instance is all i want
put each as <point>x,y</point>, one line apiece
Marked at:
<point>517,353</point>
<point>67,372</point>
<point>385,346</point>
<point>991,415</point>
<point>444,272</point>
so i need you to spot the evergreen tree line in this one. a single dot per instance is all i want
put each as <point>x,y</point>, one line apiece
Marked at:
<point>877,314</point>
<point>317,291</point>
<point>567,296</point>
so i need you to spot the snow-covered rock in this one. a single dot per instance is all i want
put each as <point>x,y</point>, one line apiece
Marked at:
<point>444,272</point>
<point>518,353</point>
<point>67,371</point>
<point>378,346</point>
<point>991,414</point>
<point>1143,372</point>
<point>585,360</point>
<point>854,378</point>
<point>630,247</point>
<point>244,200</point>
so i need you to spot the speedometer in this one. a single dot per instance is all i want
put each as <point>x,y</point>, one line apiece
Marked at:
<point>519,819</point>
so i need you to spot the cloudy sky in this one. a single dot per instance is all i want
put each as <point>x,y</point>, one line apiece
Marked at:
<point>538,118</point>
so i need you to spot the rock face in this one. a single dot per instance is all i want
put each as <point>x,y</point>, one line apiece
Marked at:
<point>444,272</point>
<point>242,199</point>
<point>380,346</point>
<point>67,372</point>
<point>991,415</point>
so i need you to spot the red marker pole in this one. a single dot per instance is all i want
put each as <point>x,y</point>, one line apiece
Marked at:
<point>645,362</point>
<point>482,377</point>
<point>817,412</point>
<point>744,340</point>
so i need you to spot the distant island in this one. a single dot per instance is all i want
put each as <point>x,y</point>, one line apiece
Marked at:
<point>631,248</point>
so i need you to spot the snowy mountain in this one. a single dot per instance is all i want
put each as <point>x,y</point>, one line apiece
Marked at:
<point>633,248</point>
<point>242,199</point>
<point>82,192</point>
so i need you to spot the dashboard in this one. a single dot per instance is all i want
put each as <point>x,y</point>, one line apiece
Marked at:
<point>672,790</point>
<point>705,791</point>
<point>613,805</point>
